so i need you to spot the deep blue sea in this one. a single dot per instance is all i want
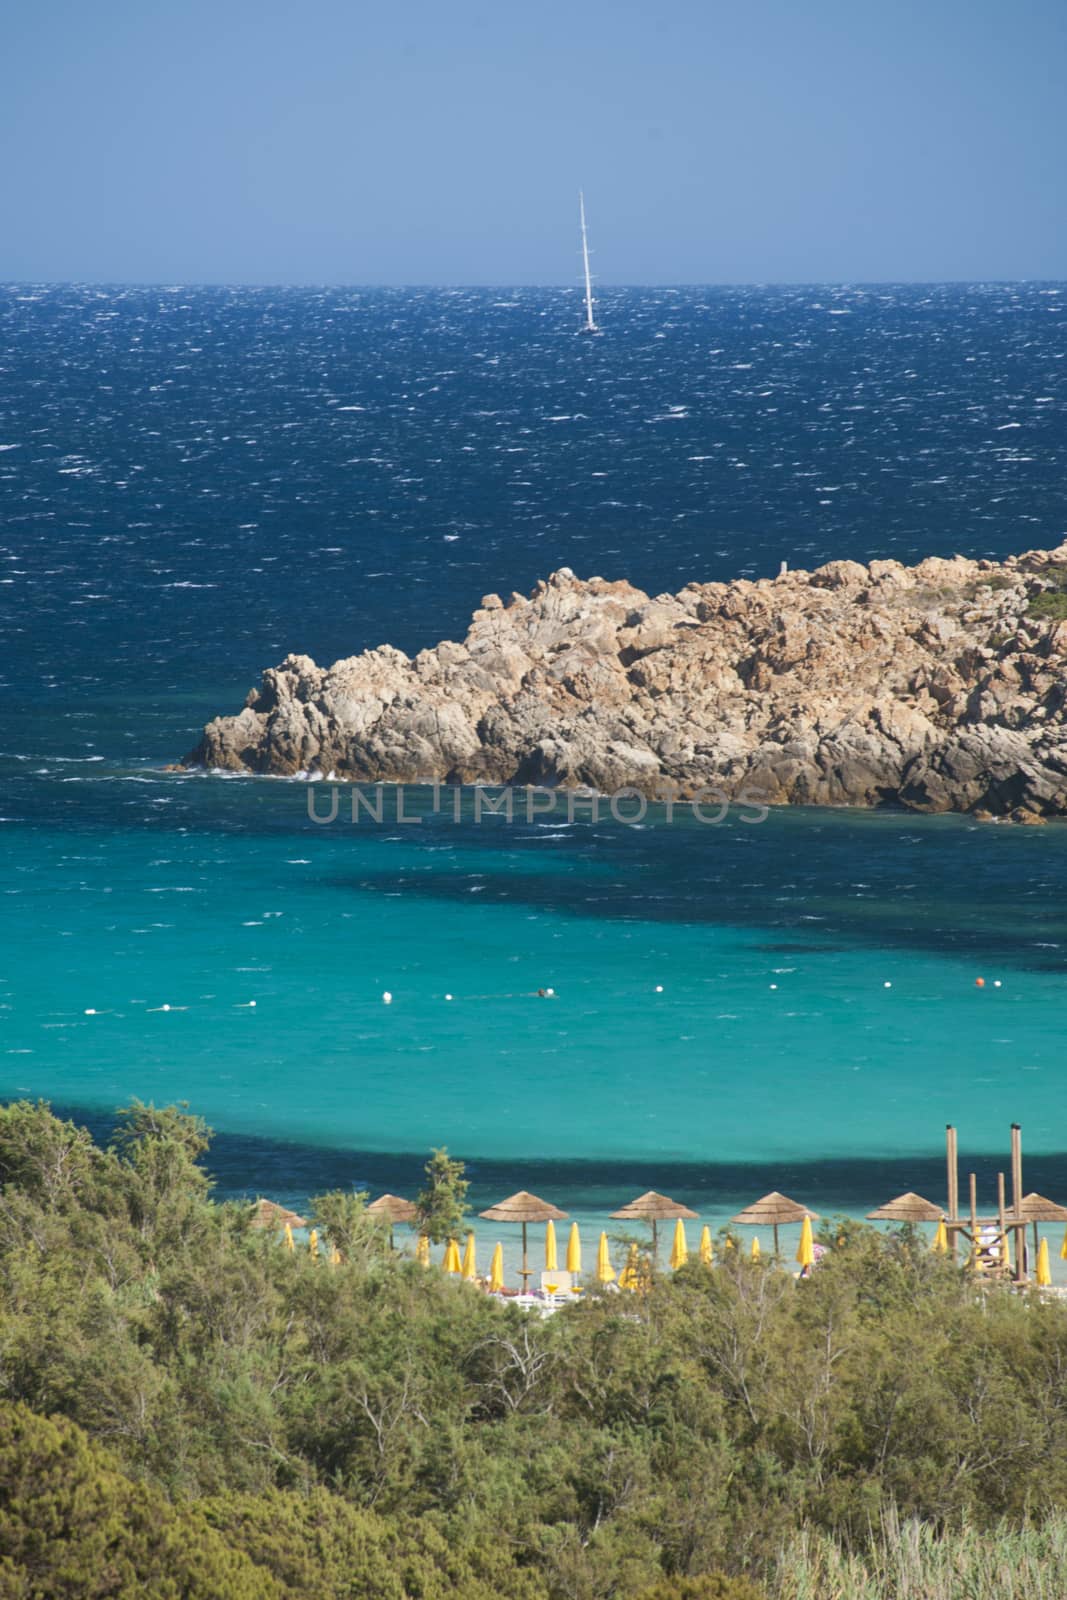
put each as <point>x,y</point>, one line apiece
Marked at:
<point>194,482</point>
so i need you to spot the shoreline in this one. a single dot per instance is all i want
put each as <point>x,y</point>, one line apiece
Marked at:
<point>245,1165</point>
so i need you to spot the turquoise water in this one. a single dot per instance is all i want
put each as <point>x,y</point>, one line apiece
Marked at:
<point>175,520</point>
<point>774,1039</point>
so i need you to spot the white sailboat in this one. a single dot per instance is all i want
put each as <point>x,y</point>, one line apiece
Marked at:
<point>589,326</point>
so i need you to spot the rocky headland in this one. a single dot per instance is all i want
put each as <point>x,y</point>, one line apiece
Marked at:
<point>938,687</point>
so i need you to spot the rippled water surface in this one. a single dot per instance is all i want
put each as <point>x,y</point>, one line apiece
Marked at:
<point>194,482</point>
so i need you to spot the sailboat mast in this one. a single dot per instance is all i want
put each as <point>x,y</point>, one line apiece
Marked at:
<point>590,325</point>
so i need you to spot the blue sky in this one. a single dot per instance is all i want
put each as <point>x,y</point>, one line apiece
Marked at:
<point>759,141</point>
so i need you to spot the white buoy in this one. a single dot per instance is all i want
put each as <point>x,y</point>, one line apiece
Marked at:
<point>448,997</point>
<point>90,1011</point>
<point>996,983</point>
<point>252,1004</point>
<point>164,1008</point>
<point>550,992</point>
<point>387,998</point>
<point>774,986</point>
<point>887,984</point>
<point>659,988</point>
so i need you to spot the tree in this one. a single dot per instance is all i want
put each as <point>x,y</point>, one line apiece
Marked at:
<point>50,1160</point>
<point>342,1216</point>
<point>442,1202</point>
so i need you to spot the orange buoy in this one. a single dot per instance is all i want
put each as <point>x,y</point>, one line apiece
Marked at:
<point>979,983</point>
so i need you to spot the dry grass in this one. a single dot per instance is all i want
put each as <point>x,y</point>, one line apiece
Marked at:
<point>910,1561</point>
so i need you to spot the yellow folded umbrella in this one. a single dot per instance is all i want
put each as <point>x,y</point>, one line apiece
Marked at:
<point>313,1242</point>
<point>1063,1246</point>
<point>940,1243</point>
<point>470,1268</point>
<point>706,1254</point>
<point>422,1250</point>
<point>628,1278</point>
<point>755,1247</point>
<point>451,1263</point>
<point>289,1245</point>
<point>574,1250</point>
<point>679,1249</point>
<point>605,1272</point>
<point>551,1259</point>
<point>496,1270</point>
<point>1043,1276</point>
<point>806,1247</point>
<point>335,1256</point>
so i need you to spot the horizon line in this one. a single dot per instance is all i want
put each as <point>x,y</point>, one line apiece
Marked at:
<point>172,284</point>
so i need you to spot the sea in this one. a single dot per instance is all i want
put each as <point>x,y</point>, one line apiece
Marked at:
<point>196,481</point>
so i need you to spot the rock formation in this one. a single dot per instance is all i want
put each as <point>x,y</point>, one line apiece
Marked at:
<point>936,687</point>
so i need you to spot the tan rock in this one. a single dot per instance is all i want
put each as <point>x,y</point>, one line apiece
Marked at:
<point>848,685</point>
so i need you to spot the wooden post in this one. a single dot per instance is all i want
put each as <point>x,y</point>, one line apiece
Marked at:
<point>952,1162</point>
<point>1019,1228</point>
<point>974,1222</point>
<point>1002,1225</point>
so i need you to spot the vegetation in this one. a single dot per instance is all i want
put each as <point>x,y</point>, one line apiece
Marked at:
<point>1049,604</point>
<point>189,1409</point>
<point>442,1202</point>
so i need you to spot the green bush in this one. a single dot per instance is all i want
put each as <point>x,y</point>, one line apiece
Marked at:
<point>1049,606</point>
<point>72,1527</point>
<point>712,1586</point>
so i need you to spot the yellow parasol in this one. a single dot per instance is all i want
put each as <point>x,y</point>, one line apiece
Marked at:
<point>628,1276</point>
<point>679,1249</point>
<point>289,1245</point>
<point>451,1263</point>
<point>806,1247</point>
<point>574,1251</point>
<point>605,1272</point>
<point>1043,1275</point>
<point>422,1250</point>
<point>755,1246</point>
<point>496,1270</point>
<point>551,1258</point>
<point>313,1243</point>
<point>706,1254</point>
<point>470,1266</point>
<point>335,1256</point>
<point>940,1243</point>
<point>1063,1246</point>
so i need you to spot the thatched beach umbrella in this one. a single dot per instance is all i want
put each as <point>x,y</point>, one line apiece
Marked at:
<point>653,1208</point>
<point>392,1208</point>
<point>525,1208</point>
<point>1035,1208</point>
<point>908,1208</point>
<point>773,1211</point>
<point>269,1214</point>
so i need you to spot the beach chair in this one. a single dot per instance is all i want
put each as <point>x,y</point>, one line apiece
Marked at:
<point>557,1288</point>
